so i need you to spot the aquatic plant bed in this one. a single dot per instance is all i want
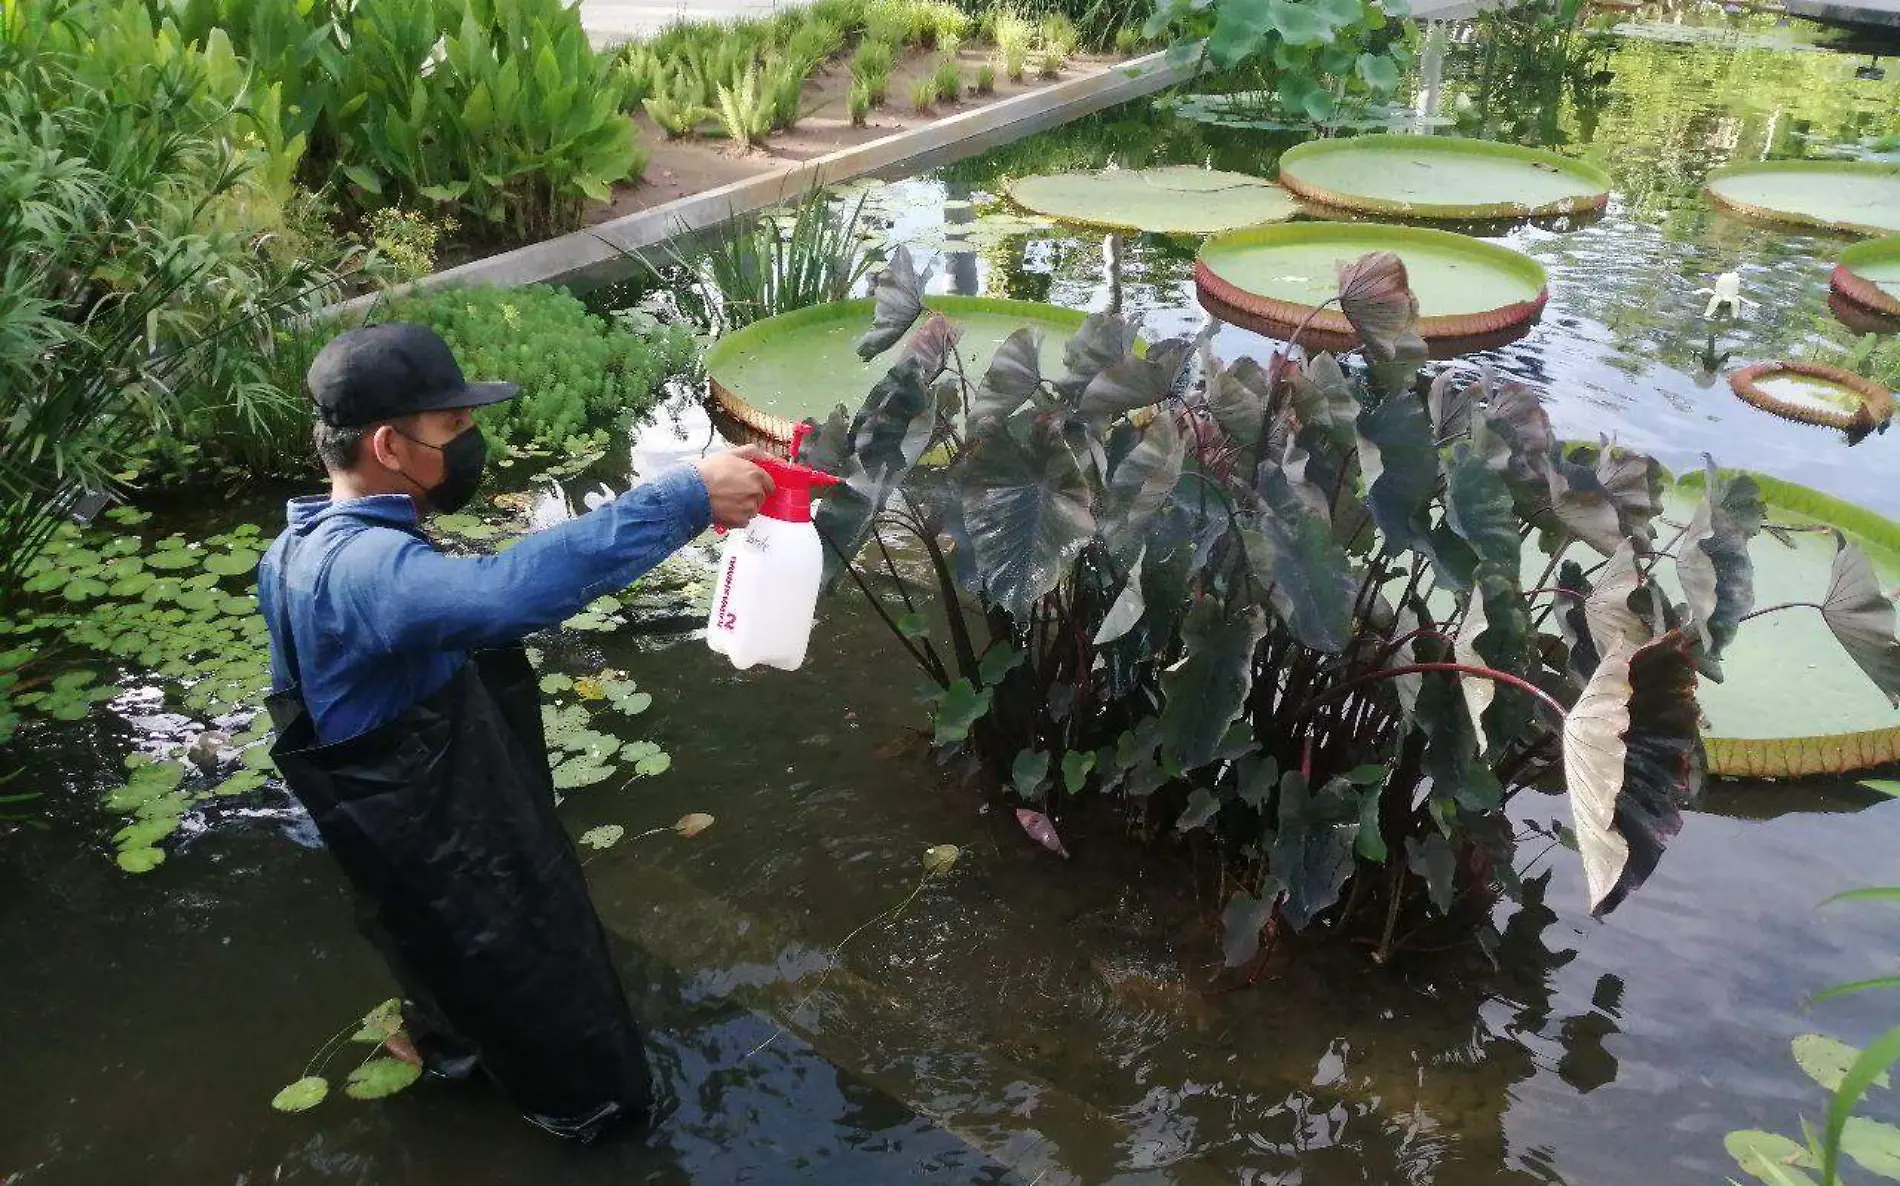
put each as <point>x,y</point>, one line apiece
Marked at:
<point>776,372</point>
<point>1442,177</point>
<point>1174,199</point>
<point>1813,393</point>
<point>1869,275</point>
<point>1275,279</point>
<point>1860,197</point>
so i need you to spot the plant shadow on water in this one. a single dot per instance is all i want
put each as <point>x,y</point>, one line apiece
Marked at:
<point>1028,1019</point>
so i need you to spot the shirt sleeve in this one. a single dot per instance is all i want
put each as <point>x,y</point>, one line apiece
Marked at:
<point>399,594</point>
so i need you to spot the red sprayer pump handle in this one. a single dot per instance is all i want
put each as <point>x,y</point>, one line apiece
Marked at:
<point>792,484</point>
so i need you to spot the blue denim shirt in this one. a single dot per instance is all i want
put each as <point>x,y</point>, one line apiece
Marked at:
<point>382,619</point>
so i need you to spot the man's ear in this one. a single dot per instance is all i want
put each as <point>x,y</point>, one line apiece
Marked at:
<point>380,446</point>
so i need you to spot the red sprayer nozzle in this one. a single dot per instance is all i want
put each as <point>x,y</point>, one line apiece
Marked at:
<point>792,487</point>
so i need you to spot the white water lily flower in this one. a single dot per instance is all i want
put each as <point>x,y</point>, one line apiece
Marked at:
<point>1727,292</point>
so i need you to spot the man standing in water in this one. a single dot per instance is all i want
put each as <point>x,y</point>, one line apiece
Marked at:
<point>408,722</point>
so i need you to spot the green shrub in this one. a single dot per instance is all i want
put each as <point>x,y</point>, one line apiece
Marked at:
<point>578,373</point>
<point>985,79</point>
<point>858,103</point>
<point>678,108</point>
<point>948,81</point>
<point>814,44</point>
<point>923,93</point>
<point>785,84</point>
<point>1052,63</point>
<point>1059,34</point>
<point>745,109</point>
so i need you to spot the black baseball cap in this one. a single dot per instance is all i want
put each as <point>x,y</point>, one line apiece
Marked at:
<point>380,372</point>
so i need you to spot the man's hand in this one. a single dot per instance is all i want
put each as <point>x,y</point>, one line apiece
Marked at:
<point>735,485</point>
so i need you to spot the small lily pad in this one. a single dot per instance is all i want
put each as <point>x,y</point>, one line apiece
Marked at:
<point>555,682</point>
<point>653,764</point>
<point>1767,1155</point>
<point>939,858</point>
<point>380,1077</point>
<point>381,1023</point>
<point>1826,1060</point>
<point>141,860</point>
<point>301,1096</point>
<point>692,825</point>
<point>1873,1145</point>
<point>603,837</point>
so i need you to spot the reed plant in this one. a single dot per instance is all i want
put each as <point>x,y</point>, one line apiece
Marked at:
<point>986,79</point>
<point>923,93</point>
<point>770,262</point>
<point>947,80</point>
<point>858,103</point>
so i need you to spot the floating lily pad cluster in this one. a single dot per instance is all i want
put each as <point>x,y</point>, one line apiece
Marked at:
<point>582,754</point>
<point>1873,1145</point>
<point>376,1077</point>
<point>160,795</point>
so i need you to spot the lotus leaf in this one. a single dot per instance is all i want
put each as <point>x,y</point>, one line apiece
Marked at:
<point>301,1096</point>
<point>380,1077</point>
<point>1172,199</point>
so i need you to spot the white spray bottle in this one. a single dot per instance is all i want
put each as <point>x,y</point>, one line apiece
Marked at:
<point>769,574</point>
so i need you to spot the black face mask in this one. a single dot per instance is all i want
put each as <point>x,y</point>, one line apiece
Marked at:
<point>462,461</point>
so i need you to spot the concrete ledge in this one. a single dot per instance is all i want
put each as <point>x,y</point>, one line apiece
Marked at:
<point>598,253</point>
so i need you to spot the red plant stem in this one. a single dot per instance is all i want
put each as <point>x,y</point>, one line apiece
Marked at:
<point>1500,677</point>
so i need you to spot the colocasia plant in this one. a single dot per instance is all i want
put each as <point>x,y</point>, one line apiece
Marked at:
<point>1326,620</point>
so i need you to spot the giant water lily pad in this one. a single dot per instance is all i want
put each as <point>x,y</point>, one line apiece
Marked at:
<point>774,373</point>
<point>1442,177</point>
<point>1272,278</point>
<point>1869,275</point>
<point>1792,703</point>
<point>1258,110</point>
<point>1862,197</point>
<point>1174,199</point>
<point>1813,393</point>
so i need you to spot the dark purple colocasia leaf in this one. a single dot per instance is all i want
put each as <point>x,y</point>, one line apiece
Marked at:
<point>1712,562</point>
<point>897,298</point>
<point>1376,296</point>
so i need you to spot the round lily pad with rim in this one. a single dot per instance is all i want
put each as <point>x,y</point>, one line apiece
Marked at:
<point>1814,393</point>
<point>1471,293</point>
<point>1869,275</point>
<point>1442,177</point>
<point>1839,722</point>
<point>773,373</point>
<point>1860,197</point>
<point>1171,200</point>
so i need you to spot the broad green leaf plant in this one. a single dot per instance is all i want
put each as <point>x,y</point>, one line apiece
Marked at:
<point>1331,622</point>
<point>1315,61</point>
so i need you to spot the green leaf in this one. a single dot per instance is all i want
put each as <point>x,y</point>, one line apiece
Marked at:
<point>1433,860</point>
<point>912,625</point>
<point>1400,464</point>
<point>1202,806</point>
<point>1886,786</point>
<point>1370,842</point>
<point>301,1096</point>
<point>1241,921</point>
<point>1379,72</point>
<point>963,705</point>
<point>556,682</point>
<point>579,772</point>
<point>1874,1145</point>
<point>1312,851</point>
<point>1301,22</point>
<point>998,661</point>
<point>1076,767</point>
<point>1763,1154</point>
<point>653,765</point>
<point>1029,772</point>
<point>241,783</point>
<point>381,1077</point>
<point>381,1023</point>
<point>141,860</point>
<point>1867,1069</point>
<point>364,178</point>
<point>1826,1060</point>
<point>233,563</point>
<point>603,837</point>
<point>1240,26</point>
<point>1205,692</point>
<point>1478,508</point>
<point>1293,555</point>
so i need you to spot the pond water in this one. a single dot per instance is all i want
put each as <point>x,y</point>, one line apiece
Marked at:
<point>1027,1019</point>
